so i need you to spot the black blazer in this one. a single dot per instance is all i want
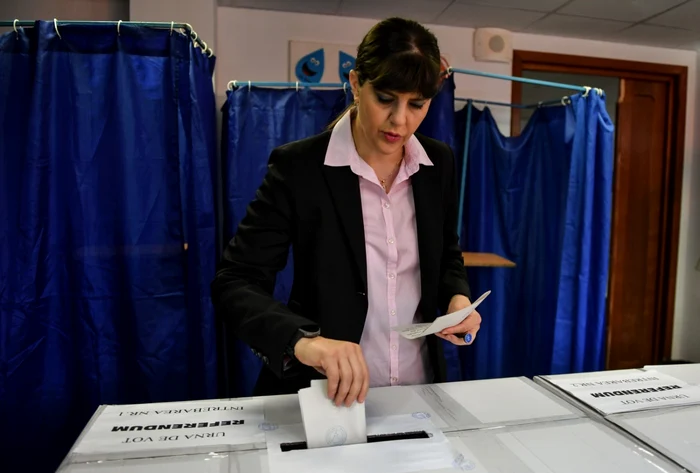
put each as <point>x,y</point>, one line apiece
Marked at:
<point>316,209</point>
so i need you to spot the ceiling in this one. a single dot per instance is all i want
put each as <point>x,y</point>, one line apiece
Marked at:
<point>664,23</point>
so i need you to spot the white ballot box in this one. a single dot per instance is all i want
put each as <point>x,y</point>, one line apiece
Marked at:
<point>450,406</point>
<point>688,372</point>
<point>571,446</point>
<point>154,432</point>
<point>568,446</point>
<point>613,392</point>
<point>672,431</point>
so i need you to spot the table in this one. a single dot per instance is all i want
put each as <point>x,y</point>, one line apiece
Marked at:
<point>659,406</point>
<point>496,426</point>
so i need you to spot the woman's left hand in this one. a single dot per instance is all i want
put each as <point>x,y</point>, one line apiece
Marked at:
<point>465,332</point>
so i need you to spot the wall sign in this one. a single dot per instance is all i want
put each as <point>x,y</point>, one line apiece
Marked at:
<point>320,62</point>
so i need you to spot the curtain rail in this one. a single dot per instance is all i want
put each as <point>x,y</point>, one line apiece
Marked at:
<point>525,80</point>
<point>563,101</point>
<point>249,83</point>
<point>149,24</point>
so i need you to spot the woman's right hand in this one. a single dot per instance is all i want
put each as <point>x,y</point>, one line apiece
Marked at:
<point>341,362</point>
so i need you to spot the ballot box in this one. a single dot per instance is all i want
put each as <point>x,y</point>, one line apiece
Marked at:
<point>688,372</point>
<point>671,431</point>
<point>660,408</point>
<point>572,446</point>
<point>605,393</point>
<point>153,432</point>
<point>567,446</point>
<point>451,406</point>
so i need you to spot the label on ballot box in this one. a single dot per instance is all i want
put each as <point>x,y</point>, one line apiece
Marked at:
<point>142,430</point>
<point>616,392</point>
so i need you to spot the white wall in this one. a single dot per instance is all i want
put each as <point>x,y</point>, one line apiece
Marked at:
<point>100,10</point>
<point>687,333</point>
<point>253,45</point>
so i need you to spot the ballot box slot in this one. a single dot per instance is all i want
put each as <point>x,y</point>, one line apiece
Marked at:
<point>288,447</point>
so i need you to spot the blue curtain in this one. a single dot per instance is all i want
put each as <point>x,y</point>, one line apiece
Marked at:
<point>439,122</point>
<point>108,231</point>
<point>580,325</point>
<point>255,121</point>
<point>542,200</point>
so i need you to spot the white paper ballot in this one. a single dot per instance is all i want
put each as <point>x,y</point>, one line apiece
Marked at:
<point>328,425</point>
<point>441,323</point>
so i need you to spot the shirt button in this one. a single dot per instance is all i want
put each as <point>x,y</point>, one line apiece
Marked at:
<point>386,205</point>
<point>393,347</point>
<point>393,379</point>
<point>392,275</point>
<point>393,312</point>
<point>391,241</point>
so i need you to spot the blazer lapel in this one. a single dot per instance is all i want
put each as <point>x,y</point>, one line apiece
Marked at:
<point>427,201</point>
<point>344,186</point>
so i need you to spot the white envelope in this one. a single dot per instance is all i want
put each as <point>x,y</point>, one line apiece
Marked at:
<point>326,424</point>
<point>441,323</point>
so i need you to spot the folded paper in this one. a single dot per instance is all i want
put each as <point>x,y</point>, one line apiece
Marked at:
<point>328,425</point>
<point>414,331</point>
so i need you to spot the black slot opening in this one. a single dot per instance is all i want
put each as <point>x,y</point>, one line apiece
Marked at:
<point>288,447</point>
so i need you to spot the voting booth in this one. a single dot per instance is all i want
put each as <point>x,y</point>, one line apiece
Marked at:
<point>659,406</point>
<point>499,425</point>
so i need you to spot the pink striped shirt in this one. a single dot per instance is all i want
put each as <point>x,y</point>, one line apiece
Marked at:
<point>393,270</point>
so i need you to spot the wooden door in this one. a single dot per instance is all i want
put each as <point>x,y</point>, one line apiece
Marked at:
<point>636,325</point>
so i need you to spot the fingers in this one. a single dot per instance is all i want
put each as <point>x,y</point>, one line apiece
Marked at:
<point>356,385</point>
<point>459,338</point>
<point>346,376</point>
<point>470,325</point>
<point>347,373</point>
<point>365,373</point>
<point>333,375</point>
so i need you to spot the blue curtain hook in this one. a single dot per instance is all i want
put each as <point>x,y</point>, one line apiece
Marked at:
<point>14,25</point>
<point>249,84</point>
<point>172,25</point>
<point>118,25</point>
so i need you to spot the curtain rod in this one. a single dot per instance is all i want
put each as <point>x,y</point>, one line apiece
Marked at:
<point>563,101</point>
<point>149,24</point>
<point>580,88</point>
<point>298,84</point>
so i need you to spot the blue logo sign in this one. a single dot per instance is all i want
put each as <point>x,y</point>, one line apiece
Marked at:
<point>346,63</point>
<point>310,67</point>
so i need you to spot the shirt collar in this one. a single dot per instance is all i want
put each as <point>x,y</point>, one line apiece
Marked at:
<point>342,152</point>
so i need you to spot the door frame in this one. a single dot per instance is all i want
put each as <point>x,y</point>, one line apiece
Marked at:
<point>677,79</point>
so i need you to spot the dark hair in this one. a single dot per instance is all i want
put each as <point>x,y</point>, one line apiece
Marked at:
<point>400,55</point>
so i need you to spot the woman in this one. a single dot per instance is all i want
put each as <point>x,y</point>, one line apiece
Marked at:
<point>369,209</point>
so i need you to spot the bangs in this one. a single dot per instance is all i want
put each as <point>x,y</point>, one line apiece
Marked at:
<point>408,72</point>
